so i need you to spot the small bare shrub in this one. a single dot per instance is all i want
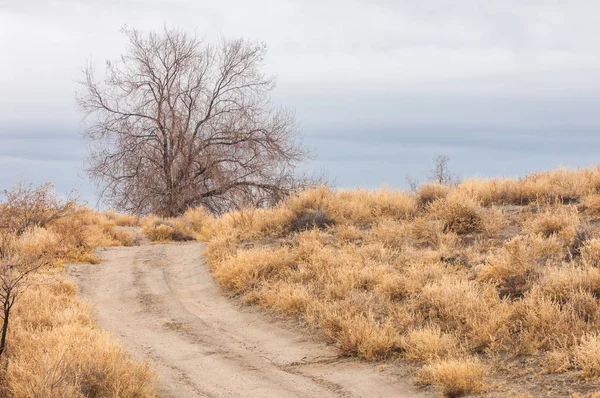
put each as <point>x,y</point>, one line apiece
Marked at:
<point>557,361</point>
<point>459,214</point>
<point>590,253</point>
<point>429,193</point>
<point>592,204</point>
<point>430,344</point>
<point>25,206</point>
<point>562,222</point>
<point>455,377</point>
<point>587,356</point>
<point>509,270</point>
<point>577,245</point>
<point>309,219</point>
<point>160,230</point>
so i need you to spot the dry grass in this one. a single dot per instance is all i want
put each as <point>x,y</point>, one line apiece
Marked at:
<point>165,230</point>
<point>455,377</point>
<point>459,214</point>
<point>587,356</point>
<point>453,278</point>
<point>54,349</point>
<point>122,220</point>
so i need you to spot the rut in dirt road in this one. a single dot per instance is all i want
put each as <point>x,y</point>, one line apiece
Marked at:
<point>162,303</point>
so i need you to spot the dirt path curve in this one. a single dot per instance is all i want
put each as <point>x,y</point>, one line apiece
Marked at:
<point>161,301</point>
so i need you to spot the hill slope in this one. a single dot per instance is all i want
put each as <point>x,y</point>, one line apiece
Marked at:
<point>492,285</point>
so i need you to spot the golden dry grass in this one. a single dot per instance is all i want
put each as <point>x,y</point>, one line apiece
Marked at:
<point>455,377</point>
<point>54,349</point>
<point>451,278</point>
<point>161,230</point>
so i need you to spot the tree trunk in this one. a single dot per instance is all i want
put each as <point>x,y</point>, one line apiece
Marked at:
<point>5,324</point>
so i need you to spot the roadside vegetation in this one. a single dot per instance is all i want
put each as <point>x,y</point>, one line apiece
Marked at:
<point>476,283</point>
<point>53,347</point>
<point>482,287</point>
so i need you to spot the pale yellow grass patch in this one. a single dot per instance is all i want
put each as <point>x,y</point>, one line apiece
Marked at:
<point>455,377</point>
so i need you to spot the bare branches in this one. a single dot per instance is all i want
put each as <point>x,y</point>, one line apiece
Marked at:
<point>441,174</point>
<point>25,206</point>
<point>178,123</point>
<point>14,274</point>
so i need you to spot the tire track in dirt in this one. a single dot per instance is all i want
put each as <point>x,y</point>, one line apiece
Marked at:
<point>161,302</point>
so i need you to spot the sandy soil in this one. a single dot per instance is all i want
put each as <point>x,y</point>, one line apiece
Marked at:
<point>162,303</point>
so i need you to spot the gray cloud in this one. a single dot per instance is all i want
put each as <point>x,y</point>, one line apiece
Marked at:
<point>378,86</point>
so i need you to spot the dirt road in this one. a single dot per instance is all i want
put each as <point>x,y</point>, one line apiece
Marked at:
<point>162,303</point>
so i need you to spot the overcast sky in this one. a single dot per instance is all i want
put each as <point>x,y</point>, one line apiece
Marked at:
<point>379,87</point>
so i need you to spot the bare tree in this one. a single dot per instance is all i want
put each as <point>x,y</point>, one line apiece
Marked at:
<point>411,182</point>
<point>441,174</point>
<point>14,275</point>
<point>178,123</point>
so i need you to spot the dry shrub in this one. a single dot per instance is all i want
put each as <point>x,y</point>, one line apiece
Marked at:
<point>539,322</point>
<point>455,377</point>
<point>198,218</point>
<point>562,282</point>
<point>25,206</point>
<point>433,286</point>
<point>53,347</point>
<point>509,269</point>
<point>38,242</point>
<point>391,234</point>
<point>562,185</point>
<point>122,220</point>
<point>106,234</point>
<point>309,219</point>
<point>590,253</point>
<point>562,222</point>
<point>591,394</point>
<point>347,233</point>
<point>592,204</point>
<point>158,233</point>
<point>250,267</point>
<point>221,248</point>
<point>355,333</point>
<point>430,344</point>
<point>55,350</point>
<point>429,193</point>
<point>459,214</point>
<point>431,233</point>
<point>587,356</point>
<point>359,207</point>
<point>501,191</point>
<point>249,223</point>
<point>100,369</point>
<point>367,337</point>
<point>70,239</point>
<point>470,309</point>
<point>394,205</point>
<point>557,361</point>
<point>584,305</point>
<point>161,230</point>
<point>285,297</point>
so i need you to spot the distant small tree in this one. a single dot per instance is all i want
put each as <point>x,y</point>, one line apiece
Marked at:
<point>441,174</point>
<point>411,182</point>
<point>177,123</point>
